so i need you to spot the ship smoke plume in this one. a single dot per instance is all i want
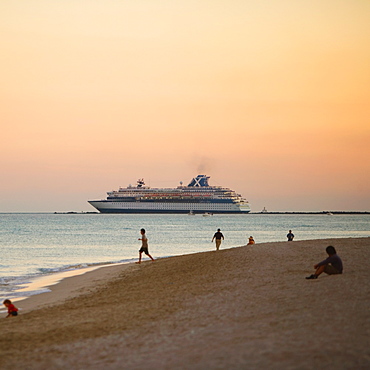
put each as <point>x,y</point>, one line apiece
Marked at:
<point>203,164</point>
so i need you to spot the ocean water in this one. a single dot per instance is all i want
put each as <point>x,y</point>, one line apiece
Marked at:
<point>36,245</point>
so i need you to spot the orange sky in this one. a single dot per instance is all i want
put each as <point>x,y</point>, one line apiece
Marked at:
<point>270,98</point>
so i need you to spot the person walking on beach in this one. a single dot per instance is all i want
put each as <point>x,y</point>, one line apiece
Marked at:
<point>219,237</point>
<point>144,246</point>
<point>332,265</point>
<point>251,240</point>
<point>12,310</point>
<point>290,236</point>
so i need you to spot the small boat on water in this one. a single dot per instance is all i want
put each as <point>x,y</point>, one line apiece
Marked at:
<point>206,214</point>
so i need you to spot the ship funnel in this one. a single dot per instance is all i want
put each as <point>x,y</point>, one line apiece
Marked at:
<point>199,181</point>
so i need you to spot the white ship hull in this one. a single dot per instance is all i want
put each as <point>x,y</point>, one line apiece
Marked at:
<point>135,207</point>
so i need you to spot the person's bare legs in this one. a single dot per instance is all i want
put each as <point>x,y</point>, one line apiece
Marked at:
<point>320,270</point>
<point>140,253</point>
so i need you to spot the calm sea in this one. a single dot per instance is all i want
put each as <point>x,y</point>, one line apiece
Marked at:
<point>34,245</point>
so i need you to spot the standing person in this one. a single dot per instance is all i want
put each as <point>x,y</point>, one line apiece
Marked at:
<point>251,240</point>
<point>332,265</point>
<point>12,310</point>
<point>144,246</point>
<point>290,236</point>
<point>218,236</point>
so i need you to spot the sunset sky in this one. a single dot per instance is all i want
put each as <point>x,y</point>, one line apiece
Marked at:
<point>269,98</point>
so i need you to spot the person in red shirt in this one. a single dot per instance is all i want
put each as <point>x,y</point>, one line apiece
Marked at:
<point>12,310</point>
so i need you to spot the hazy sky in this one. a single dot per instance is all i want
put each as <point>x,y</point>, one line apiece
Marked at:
<point>270,98</point>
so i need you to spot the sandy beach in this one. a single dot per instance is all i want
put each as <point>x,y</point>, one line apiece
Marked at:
<point>240,308</point>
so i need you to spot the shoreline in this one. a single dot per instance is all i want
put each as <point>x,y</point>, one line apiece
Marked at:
<point>64,285</point>
<point>243,307</point>
<point>40,283</point>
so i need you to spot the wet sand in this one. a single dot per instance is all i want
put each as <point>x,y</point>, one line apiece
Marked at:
<point>241,308</point>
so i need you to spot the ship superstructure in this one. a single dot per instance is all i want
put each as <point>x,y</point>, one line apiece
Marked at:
<point>197,197</point>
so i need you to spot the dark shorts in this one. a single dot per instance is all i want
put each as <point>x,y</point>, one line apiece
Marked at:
<point>14,313</point>
<point>144,249</point>
<point>331,270</point>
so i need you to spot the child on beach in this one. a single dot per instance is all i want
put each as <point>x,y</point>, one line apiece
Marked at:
<point>144,246</point>
<point>332,265</point>
<point>12,310</point>
<point>251,240</point>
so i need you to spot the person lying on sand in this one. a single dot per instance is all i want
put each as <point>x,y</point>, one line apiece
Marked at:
<point>332,265</point>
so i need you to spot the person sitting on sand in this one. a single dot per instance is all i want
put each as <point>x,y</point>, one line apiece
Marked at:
<point>290,236</point>
<point>332,265</point>
<point>219,237</point>
<point>12,310</point>
<point>251,240</point>
<point>144,246</point>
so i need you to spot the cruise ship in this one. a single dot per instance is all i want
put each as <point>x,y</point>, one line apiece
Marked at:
<point>197,197</point>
